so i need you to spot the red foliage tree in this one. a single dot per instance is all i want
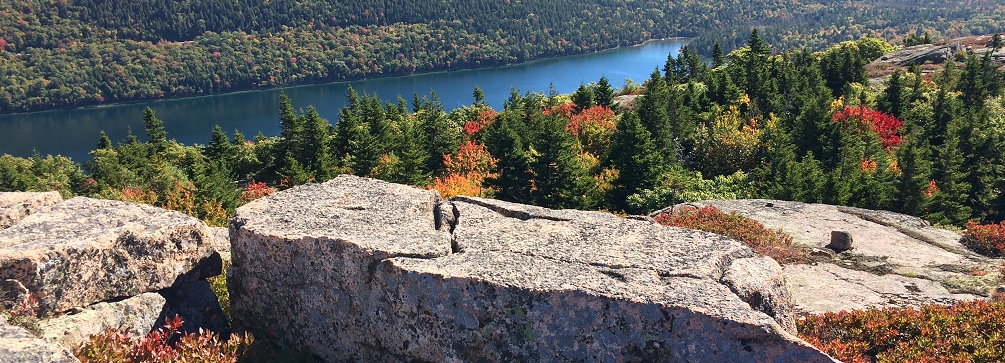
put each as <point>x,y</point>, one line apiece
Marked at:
<point>886,125</point>
<point>485,118</point>
<point>601,116</point>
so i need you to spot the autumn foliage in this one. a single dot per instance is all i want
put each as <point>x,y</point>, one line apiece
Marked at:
<point>970,331</point>
<point>886,125</point>
<point>774,244</point>
<point>164,345</point>
<point>484,119</point>
<point>255,190</point>
<point>986,239</point>
<point>466,172</point>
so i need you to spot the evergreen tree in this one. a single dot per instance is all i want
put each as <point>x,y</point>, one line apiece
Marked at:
<point>155,130</point>
<point>559,177</point>
<point>291,127</point>
<point>412,156</point>
<point>213,182</point>
<point>915,173</point>
<point>949,202</point>
<point>479,96</point>
<point>104,142</point>
<point>637,159</point>
<point>239,138</point>
<point>513,180</point>
<point>583,97</point>
<point>316,149</point>
<point>893,97</point>
<point>718,58</point>
<point>603,93</point>
<point>220,148</point>
<point>653,111</point>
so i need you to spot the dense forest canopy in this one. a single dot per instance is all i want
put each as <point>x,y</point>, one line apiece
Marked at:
<point>70,53</point>
<point>796,125</point>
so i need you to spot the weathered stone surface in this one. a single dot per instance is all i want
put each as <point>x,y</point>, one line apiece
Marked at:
<point>827,287</point>
<point>221,242</point>
<point>84,251</point>
<point>361,270</point>
<point>898,260</point>
<point>137,315</point>
<point>19,346</point>
<point>16,205</point>
<point>920,54</point>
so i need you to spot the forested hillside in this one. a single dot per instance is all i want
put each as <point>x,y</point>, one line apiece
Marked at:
<point>794,126</point>
<point>70,53</point>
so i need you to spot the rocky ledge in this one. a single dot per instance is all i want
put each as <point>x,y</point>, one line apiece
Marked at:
<point>356,269</point>
<point>85,265</point>
<point>895,260</point>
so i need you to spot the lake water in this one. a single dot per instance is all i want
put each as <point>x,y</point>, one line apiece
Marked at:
<point>190,120</point>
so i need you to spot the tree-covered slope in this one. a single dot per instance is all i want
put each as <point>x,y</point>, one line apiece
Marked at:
<point>70,53</point>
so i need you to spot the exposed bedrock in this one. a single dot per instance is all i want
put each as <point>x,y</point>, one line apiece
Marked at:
<point>356,269</point>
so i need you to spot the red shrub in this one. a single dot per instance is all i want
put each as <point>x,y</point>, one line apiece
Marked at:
<point>969,331</point>
<point>167,345</point>
<point>986,239</point>
<point>887,126</point>
<point>255,190</point>
<point>485,118</point>
<point>774,244</point>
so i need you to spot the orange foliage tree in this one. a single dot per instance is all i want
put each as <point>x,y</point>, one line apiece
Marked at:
<point>466,172</point>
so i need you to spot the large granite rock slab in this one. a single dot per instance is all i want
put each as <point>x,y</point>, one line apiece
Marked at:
<point>895,260</point>
<point>16,205</point>
<point>17,345</point>
<point>83,251</point>
<point>362,270</point>
<point>921,54</point>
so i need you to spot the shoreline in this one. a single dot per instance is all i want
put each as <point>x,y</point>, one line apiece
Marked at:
<point>466,67</point>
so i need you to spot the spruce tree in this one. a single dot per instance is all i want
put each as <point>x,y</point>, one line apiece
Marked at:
<point>653,111</point>
<point>583,97</point>
<point>915,173</point>
<point>513,180</point>
<point>893,97</point>
<point>479,96</point>
<point>637,159</point>
<point>220,148</point>
<point>949,172</point>
<point>718,58</point>
<point>104,142</point>
<point>155,130</point>
<point>412,156</point>
<point>603,93</point>
<point>316,149</point>
<point>559,177</point>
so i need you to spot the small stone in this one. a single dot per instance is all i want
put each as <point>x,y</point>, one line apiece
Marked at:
<point>840,241</point>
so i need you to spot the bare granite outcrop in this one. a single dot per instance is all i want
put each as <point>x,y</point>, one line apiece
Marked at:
<point>357,269</point>
<point>16,205</point>
<point>95,264</point>
<point>896,260</point>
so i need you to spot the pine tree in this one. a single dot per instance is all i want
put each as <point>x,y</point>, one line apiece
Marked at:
<point>603,93</point>
<point>635,156</point>
<point>155,130</point>
<point>583,97</point>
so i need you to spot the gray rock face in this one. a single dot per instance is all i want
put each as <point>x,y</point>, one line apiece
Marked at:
<point>361,270</point>
<point>221,242</point>
<point>137,315</point>
<point>920,54</point>
<point>898,260</point>
<point>16,205</point>
<point>84,251</point>
<point>19,346</point>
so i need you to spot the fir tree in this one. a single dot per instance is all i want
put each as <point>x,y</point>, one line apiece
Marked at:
<point>653,111</point>
<point>583,97</point>
<point>718,58</point>
<point>513,180</point>
<point>155,130</point>
<point>104,142</point>
<point>893,97</point>
<point>635,156</point>
<point>949,202</point>
<point>316,149</point>
<point>479,96</point>
<point>559,177</point>
<point>603,93</point>
<point>915,174</point>
<point>219,148</point>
